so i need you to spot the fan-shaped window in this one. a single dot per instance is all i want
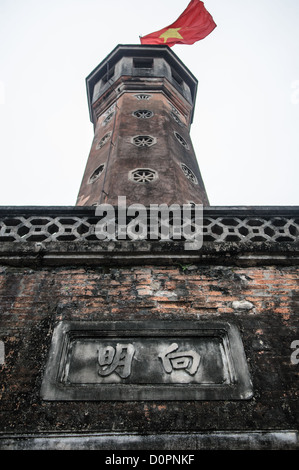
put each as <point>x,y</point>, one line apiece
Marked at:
<point>181,140</point>
<point>103,140</point>
<point>143,114</point>
<point>143,97</point>
<point>143,175</point>
<point>144,140</point>
<point>108,118</point>
<point>176,118</point>
<point>189,173</point>
<point>96,174</point>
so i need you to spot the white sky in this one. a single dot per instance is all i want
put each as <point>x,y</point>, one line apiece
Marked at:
<point>246,122</point>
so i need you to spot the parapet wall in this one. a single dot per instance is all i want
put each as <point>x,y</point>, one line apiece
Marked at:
<point>250,285</point>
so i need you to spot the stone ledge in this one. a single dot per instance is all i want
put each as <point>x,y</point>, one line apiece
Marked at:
<point>210,211</point>
<point>39,254</point>
<point>221,440</point>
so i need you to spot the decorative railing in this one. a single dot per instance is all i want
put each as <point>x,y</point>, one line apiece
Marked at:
<point>220,224</point>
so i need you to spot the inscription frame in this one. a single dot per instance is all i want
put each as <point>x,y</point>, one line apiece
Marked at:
<point>57,385</point>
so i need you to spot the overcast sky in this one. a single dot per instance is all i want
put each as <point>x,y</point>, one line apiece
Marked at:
<point>246,123</point>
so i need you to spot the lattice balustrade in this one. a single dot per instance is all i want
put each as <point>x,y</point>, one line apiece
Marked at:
<point>253,229</point>
<point>217,229</point>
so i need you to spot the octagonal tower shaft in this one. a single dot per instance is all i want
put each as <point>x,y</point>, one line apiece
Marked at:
<point>141,101</point>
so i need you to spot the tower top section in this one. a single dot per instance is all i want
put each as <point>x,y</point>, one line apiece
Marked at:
<point>141,102</point>
<point>139,61</point>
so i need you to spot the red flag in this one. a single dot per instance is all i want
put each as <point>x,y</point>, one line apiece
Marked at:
<point>193,24</point>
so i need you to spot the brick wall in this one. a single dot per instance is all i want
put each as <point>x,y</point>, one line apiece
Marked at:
<point>261,301</point>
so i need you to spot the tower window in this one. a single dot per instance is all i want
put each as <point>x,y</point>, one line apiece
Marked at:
<point>181,140</point>
<point>108,75</point>
<point>189,173</point>
<point>144,140</point>
<point>108,118</point>
<point>176,118</point>
<point>143,175</point>
<point>103,140</point>
<point>110,109</point>
<point>177,79</point>
<point>143,63</point>
<point>143,96</point>
<point>96,174</point>
<point>173,108</point>
<point>143,114</point>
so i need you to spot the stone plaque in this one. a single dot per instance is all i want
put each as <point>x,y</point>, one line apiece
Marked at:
<point>146,361</point>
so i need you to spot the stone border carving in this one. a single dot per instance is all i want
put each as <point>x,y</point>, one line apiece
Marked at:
<point>134,360</point>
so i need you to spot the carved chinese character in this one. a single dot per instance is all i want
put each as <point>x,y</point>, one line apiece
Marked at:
<point>187,360</point>
<point>116,360</point>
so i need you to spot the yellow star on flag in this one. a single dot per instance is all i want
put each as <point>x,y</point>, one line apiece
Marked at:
<point>171,33</point>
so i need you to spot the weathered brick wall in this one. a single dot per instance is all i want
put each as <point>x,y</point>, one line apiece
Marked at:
<point>262,302</point>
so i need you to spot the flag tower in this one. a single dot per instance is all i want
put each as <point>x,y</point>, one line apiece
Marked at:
<point>141,101</point>
<point>141,344</point>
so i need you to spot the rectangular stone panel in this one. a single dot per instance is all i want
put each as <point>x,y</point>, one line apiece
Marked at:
<point>146,361</point>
